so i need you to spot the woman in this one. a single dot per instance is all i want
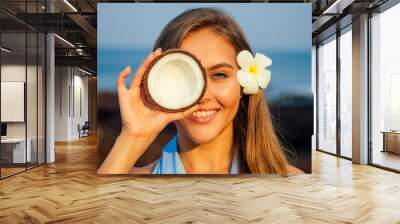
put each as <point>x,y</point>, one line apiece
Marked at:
<point>226,132</point>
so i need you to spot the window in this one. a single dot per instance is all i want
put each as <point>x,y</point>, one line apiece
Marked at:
<point>346,92</point>
<point>22,88</point>
<point>385,89</point>
<point>327,95</point>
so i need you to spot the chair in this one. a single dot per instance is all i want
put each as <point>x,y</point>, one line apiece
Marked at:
<point>84,130</point>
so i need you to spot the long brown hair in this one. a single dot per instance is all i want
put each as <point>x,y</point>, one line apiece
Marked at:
<point>260,149</point>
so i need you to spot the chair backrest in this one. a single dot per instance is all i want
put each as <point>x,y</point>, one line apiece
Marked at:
<point>86,124</point>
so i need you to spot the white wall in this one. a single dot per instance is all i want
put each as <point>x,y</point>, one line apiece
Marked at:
<point>80,101</point>
<point>13,73</point>
<point>71,94</point>
<point>33,127</point>
<point>61,103</point>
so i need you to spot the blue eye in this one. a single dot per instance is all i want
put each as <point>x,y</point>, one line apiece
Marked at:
<point>219,75</point>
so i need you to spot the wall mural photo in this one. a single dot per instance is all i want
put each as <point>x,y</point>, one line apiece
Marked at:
<point>204,88</point>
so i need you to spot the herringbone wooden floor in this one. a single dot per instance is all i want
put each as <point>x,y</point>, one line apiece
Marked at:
<point>69,191</point>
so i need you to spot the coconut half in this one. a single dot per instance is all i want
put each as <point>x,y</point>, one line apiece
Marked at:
<point>175,81</point>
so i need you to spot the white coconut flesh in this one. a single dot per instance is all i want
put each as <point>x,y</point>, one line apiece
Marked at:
<point>175,81</point>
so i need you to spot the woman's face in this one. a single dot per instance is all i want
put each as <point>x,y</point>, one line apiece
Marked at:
<point>220,102</point>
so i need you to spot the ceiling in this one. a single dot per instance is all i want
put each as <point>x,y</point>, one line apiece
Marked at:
<point>76,22</point>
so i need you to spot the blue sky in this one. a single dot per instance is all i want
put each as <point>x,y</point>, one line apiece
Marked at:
<point>127,32</point>
<point>278,27</point>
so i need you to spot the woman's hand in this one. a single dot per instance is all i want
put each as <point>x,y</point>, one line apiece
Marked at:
<point>141,122</point>
<point>139,117</point>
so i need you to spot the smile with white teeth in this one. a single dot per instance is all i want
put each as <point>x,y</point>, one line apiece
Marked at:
<point>204,113</point>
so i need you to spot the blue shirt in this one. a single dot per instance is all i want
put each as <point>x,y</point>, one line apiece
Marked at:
<point>170,162</point>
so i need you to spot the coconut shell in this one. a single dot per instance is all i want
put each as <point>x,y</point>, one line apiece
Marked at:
<point>148,69</point>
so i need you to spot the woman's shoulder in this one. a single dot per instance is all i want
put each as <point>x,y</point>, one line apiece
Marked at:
<point>293,170</point>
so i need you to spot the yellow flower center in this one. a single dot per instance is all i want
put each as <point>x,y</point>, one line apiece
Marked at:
<point>253,70</point>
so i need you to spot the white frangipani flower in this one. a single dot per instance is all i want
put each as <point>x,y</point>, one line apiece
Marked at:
<point>253,74</point>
